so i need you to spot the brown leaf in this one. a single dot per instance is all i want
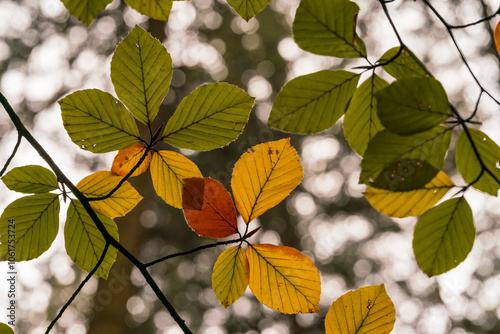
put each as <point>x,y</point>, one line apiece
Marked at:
<point>216,216</point>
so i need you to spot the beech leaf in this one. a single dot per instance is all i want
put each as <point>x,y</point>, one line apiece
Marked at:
<point>230,276</point>
<point>284,279</point>
<point>216,218</point>
<point>126,159</point>
<point>264,176</point>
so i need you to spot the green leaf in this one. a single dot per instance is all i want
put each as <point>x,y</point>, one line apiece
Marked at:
<point>156,9</point>
<point>405,65</point>
<point>314,102</point>
<point>29,224</point>
<point>85,10</point>
<point>141,70</point>
<point>248,8</point>
<point>97,122</point>
<point>212,116</point>
<point>402,163</point>
<point>31,179</point>
<point>85,243</point>
<point>361,121</point>
<point>444,236</point>
<point>412,105</point>
<point>485,178</point>
<point>328,27</point>
<point>4,329</point>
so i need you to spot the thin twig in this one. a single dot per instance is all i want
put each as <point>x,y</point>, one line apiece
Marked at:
<point>80,287</point>
<point>7,163</point>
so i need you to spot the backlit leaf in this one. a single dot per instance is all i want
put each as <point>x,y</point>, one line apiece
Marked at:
<point>101,184</point>
<point>217,216</point>
<point>328,27</point>
<point>168,171</point>
<point>401,163</point>
<point>361,121</point>
<point>212,116</point>
<point>4,329</point>
<point>283,279</point>
<point>85,10</point>
<point>30,224</point>
<point>156,9</point>
<point>314,102</point>
<point>31,179</point>
<point>97,122</point>
<point>248,8</point>
<point>367,310</point>
<point>412,105</point>
<point>405,65</point>
<point>264,176</point>
<point>444,236</point>
<point>141,70</point>
<point>409,203</point>
<point>230,276</point>
<point>486,179</point>
<point>126,159</point>
<point>85,243</point>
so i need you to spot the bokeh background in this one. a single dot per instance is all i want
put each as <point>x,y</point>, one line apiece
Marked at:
<point>45,54</point>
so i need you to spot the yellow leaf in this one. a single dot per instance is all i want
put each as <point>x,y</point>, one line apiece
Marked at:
<point>284,279</point>
<point>230,276</point>
<point>126,159</point>
<point>409,203</point>
<point>101,184</point>
<point>168,171</point>
<point>264,176</point>
<point>368,310</point>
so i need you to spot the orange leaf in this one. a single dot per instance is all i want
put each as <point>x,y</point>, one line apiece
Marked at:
<point>217,216</point>
<point>126,159</point>
<point>497,37</point>
<point>284,279</point>
<point>264,176</point>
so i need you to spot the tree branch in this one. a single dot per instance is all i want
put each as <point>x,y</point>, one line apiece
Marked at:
<point>7,163</point>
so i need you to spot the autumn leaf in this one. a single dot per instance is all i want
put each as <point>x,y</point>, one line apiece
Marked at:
<point>230,276</point>
<point>284,279</point>
<point>217,216</point>
<point>101,184</point>
<point>126,159</point>
<point>401,204</point>
<point>368,310</point>
<point>264,176</point>
<point>168,171</point>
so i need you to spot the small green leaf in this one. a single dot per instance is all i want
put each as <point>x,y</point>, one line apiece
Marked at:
<point>361,121</point>
<point>212,116</point>
<point>328,27</point>
<point>485,178</point>
<point>141,70</point>
<point>4,329</point>
<point>155,9</point>
<point>402,163</point>
<point>28,226</point>
<point>31,179</point>
<point>405,65</point>
<point>248,8</point>
<point>314,102</point>
<point>85,243</point>
<point>97,122</point>
<point>444,236</point>
<point>85,10</point>
<point>412,105</point>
